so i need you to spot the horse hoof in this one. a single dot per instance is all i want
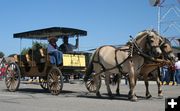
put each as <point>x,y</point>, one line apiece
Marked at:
<point>110,93</point>
<point>98,94</point>
<point>148,96</point>
<point>133,98</point>
<point>111,96</point>
<point>118,94</point>
<point>160,96</point>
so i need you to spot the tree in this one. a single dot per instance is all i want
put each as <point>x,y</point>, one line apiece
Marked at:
<point>35,45</point>
<point>24,51</point>
<point>1,54</point>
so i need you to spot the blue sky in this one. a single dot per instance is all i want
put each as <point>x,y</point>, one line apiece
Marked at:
<point>107,21</point>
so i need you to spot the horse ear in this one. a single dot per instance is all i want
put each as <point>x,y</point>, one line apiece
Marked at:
<point>148,37</point>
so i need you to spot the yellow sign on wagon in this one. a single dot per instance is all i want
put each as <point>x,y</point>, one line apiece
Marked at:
<point>74,60</point>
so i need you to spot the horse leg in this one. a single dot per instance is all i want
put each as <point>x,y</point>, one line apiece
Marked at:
<point>160,94</point>
<point>97,78</point>
<point>107,78</point>
<point>145,77</point>
<point>118,84</point>
<point>98,84</point>
<point>132,83</point>
<point>132,95</point>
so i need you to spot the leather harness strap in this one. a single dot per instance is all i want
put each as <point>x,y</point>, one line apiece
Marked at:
<point>133,48</point>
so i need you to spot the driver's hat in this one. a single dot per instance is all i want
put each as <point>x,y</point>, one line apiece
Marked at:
<point>52,38</point>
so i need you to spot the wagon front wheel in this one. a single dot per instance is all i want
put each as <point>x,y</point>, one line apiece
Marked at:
<point>55,81</point>
<point>12,78</point>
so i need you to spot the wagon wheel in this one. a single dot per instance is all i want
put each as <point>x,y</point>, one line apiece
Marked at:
<point>91,84</point>
<point>55,80</point>
<point>12,78</point>
<point>43,83</point>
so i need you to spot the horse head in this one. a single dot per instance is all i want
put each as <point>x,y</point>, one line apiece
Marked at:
<point>151,41</point>
<point>167,50</point>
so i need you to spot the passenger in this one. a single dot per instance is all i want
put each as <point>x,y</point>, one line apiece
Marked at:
<point>66,46</point>
<point>55,54</point>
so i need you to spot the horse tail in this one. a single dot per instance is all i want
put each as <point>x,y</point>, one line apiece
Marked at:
<point>89,69</point>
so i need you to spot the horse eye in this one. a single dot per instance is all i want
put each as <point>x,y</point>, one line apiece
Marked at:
<point>151,36</point>
<point>151,41</point>
<point>165,46</point>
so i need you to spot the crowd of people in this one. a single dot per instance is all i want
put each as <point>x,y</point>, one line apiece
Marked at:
<point>171,74</point>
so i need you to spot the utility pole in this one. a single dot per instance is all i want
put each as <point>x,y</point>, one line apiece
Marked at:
<point>168,19</point>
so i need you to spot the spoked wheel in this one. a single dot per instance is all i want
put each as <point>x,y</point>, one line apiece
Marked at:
<point>93,83</point>
<point>43,82</point>
<point>55,81</point>
<point>12,78</point>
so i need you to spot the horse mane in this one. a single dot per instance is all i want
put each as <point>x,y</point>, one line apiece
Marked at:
<point>167,41</point>
<point>142,33</point>
<point>138,36</point>
<point>152,30</point>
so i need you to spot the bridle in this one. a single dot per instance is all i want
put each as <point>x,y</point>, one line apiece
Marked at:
<point>140,51</point>
<point>166,54</point>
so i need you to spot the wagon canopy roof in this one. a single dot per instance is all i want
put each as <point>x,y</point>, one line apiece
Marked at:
<point>59,32</point>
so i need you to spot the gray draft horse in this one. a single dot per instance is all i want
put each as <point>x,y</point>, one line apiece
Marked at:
<point>128,59</point>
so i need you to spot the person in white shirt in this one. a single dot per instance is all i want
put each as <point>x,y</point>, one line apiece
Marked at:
<point>177,73</point>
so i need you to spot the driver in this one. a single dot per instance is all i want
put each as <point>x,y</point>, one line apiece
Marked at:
<point>52,49</point>
<point>66,46</point>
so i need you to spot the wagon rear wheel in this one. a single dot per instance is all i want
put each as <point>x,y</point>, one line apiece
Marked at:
<point>12,78</point>
<point>93,83</point>
<point>55,81</point>
<point>43,82</point>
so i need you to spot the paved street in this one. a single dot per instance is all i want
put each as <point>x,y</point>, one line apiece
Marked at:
<point>75,97</point>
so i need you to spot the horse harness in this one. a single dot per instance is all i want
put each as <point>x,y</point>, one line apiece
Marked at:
<point>133,48</point>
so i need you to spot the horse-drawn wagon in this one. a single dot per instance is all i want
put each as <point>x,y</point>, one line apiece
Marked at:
<point>36,63</point>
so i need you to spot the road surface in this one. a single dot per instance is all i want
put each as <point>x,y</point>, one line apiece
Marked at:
<point>75,97</point>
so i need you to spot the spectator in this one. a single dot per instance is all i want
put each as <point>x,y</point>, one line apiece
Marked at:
<point>165,75</point>
<point>177,74</point>
<point>172,70</point>
<point>66,46</point>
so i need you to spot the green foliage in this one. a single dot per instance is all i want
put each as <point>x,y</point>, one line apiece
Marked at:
<point>24,51</point>
<point>35,45</point>
<point>1,54</point>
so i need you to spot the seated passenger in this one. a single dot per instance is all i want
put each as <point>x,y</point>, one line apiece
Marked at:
<point>55,54</point>
<point>66,46</point>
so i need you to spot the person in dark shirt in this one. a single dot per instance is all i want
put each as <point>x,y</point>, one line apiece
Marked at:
<point>66,46</point>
